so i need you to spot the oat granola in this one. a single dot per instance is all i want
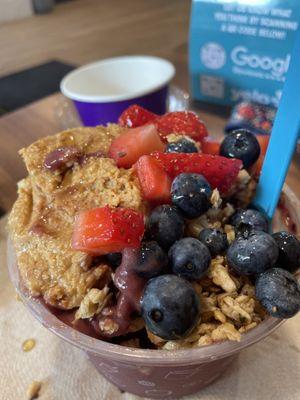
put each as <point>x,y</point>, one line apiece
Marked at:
<point>225,315</point>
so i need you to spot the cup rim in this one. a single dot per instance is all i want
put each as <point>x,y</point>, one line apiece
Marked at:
<point>99,347</point>
<point>136,93</point>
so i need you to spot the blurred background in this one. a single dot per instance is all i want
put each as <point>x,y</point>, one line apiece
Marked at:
<point>74,32</point>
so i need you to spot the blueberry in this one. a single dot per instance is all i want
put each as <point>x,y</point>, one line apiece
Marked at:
<point>191,194</point>
<point>247,220</point>
<point>152,260</point>
<point>289,251</point>
<point>165,225</point>
<point>253,253</point>
<point>182,146</point>
<point>170,307</point>
<point>279,293</point>
<point>189,258</point>
<point>215,240</point>
<point>114,259</point>
<point>241,144</point>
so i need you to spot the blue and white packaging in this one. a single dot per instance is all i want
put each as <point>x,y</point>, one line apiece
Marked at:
<point>240,50</point>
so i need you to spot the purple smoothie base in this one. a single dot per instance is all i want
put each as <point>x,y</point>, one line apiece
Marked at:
<point>93,114</point>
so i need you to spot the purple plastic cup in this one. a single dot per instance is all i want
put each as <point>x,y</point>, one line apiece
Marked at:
<point>101,91</point>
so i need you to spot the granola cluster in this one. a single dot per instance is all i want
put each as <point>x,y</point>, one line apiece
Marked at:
<point>228,309</point>
<point>42,219</point>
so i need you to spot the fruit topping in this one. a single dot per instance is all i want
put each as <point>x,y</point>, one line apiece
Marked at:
<point>241,144</point>
<point>247,220</point>
<point>220,172</point>
<point>170,307</point>
<point>289,251</point>
<point>263,141</point>
<point>107,230</point>
<point>182,122</point>
<point>253,253</point>
<point>135,116</point>
<point>191,194</point>
<point>154,181</point>
<point>190,258</point>
<point>152,260</point>
<point>165,225</point>
<point>127,148</point>
<point>182,146</point>
<point>215,240</point>
<point>279,293</point>
<point>210,146</point>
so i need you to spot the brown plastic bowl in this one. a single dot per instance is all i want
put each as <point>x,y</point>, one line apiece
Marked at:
<point>159,373</point>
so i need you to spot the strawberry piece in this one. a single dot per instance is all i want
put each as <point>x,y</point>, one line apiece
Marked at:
<point>107,230</point>
<point>154,181</point>
<point>135,116</point>
<point>220,172</point>
<point>181,122</point>
<point>263,142</point>
<point>210,146</point>
<point>256,168</point>
<point>127,148</point>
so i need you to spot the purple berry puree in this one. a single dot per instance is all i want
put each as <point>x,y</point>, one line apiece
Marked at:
<point>115,321</point>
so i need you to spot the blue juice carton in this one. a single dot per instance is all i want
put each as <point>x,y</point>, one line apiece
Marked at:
<point>240,50</point>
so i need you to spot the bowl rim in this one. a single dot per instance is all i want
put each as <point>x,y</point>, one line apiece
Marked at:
<point>161,80</point>
<point>99,347</point>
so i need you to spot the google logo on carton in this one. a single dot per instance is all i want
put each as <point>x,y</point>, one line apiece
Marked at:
<point>241,56</point>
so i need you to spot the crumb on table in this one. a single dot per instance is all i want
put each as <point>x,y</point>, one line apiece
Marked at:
<point>33,390</point>
<point>28,344</point>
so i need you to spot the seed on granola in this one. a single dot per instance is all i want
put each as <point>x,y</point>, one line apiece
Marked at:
<point>33,390</point>
<point>28,344</point>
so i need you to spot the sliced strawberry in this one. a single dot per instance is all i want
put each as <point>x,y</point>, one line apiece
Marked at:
<point>220,172</point>
<point>181,122</point>
<point>107,230</point>
<point>210,146</point>
<point>155,182</point>
<point>135,116</point>
<point>127,148</point>
<point>263,142</point>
